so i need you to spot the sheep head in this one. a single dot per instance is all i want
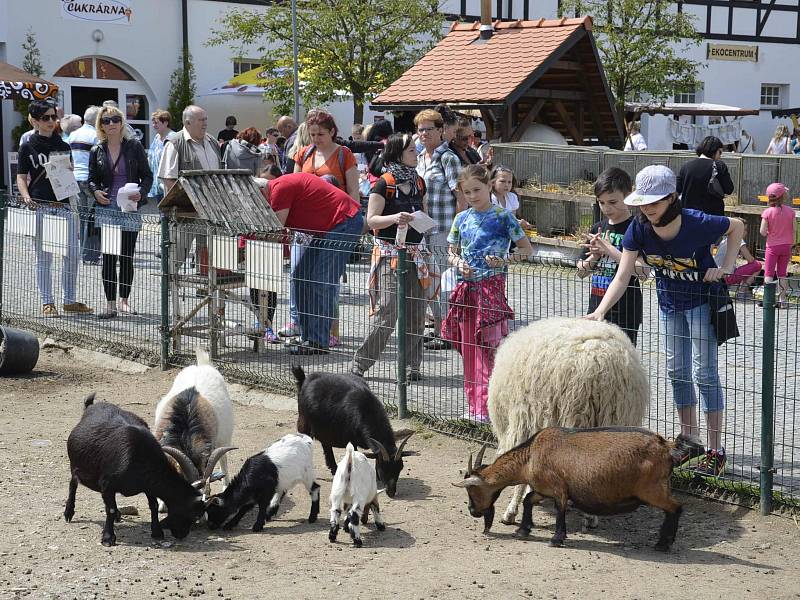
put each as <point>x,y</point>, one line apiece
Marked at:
<point>482,495</point>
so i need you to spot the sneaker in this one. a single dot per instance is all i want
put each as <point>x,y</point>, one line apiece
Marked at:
<point>437,343</point>
<point>333,341</point>
<point>270,337</point>
<point>470,416</point>
<point>307,348</point>
<point>686,449</point>
<point>713,463</point>
<point>77,307</point>
<point>289,330</point>
<point>50,311</point>
<point>413,375</point>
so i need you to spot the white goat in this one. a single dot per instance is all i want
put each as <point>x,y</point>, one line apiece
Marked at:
<point>196,415</point>
<point>355,490</point>
<point>568,373</point>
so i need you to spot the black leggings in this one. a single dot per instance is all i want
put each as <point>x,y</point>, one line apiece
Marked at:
<point>272,302</point>
<point>125,268</point>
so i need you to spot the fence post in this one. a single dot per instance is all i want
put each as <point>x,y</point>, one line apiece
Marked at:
<point>165,283</point>
<point>402,385</point>
<point>767,399</point>
<point>2,246</point>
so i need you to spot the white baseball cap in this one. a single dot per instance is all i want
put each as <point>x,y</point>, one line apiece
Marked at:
<point>653,183</point>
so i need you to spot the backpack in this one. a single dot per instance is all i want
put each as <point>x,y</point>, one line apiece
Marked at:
<point>391,185</point>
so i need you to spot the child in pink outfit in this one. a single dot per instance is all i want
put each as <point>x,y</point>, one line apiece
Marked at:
<point>777,225</point>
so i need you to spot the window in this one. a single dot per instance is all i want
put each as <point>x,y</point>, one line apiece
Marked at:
<point>770,95</point>
<point>243,65</point>
<point>689,95</point>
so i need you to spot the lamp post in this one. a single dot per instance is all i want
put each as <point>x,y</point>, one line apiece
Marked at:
<point>295,69</point>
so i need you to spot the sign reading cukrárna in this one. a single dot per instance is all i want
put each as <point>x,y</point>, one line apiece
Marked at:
<point>732,52</point>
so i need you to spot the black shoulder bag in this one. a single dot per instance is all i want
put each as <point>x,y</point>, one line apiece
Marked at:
<point>723,315</point>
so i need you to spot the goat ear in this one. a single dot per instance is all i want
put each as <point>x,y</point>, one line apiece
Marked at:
<point>474,480</point>
<point>409,453</point>
<point>378,448</point>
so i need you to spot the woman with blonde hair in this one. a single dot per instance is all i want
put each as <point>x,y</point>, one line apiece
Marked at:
<point>780,141</point>
<point>117,159</point>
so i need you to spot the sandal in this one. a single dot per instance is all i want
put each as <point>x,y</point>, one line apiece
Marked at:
<point>108,314</point>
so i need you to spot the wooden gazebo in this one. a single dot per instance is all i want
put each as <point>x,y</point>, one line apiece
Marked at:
<point>544,71</point>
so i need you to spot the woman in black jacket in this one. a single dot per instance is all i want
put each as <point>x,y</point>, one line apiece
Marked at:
<point>115,161</point>
<point>694,180</point>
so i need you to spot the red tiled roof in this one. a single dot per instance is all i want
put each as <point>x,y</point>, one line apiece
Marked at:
<point>459,70</point>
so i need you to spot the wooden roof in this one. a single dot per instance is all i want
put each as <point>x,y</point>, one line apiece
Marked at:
<point>229,198</point>
<point>522,63</point>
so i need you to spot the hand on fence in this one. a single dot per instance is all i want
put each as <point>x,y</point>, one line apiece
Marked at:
<point>464,268</point>
<point>102,198</point>
<point>496,261</point>
<point>714,274</point>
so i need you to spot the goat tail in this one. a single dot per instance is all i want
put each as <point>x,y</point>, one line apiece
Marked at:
<point>202,356</point>
<point>348,461</point>
<point>299,375</point>
<point>89,400</point>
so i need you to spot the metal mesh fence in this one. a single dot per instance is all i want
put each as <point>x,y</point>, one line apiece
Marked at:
<point>233,292</point>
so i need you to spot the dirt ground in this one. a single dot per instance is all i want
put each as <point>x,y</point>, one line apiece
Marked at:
<point>432,548</point>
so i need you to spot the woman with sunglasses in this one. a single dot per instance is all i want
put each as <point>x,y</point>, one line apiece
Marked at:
<point>40,147</point>
<point>118,159</point>
<point>462,147</point>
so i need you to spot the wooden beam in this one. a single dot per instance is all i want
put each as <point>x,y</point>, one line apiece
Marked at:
<point>488,120</point>
<point>579,120</point>
<point>573,131</point>
<point>526,122</point>
<point>593,114</point>
<point>567,65</point>
<point>554,94</point>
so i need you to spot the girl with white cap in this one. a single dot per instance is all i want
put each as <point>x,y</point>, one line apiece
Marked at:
<point>676,243</point>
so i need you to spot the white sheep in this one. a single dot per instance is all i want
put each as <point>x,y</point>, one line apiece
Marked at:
<point>568,373</point>
<point>198,402</point>
<point>355,490</point>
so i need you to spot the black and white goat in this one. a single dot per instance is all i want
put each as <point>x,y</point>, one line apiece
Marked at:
<point>264,480</point>
<point>340,409</point>
<point>196,417</point>
<point>354,493</point>
<point>112,451</point>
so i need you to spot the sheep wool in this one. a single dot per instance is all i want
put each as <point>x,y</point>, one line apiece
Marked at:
<point>565,372</point>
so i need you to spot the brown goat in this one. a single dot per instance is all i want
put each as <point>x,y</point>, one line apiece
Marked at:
<point>602,471</point>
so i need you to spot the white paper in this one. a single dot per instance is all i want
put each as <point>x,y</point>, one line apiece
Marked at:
<point>224,253</point>
<point>55,235</point>
<point>124,197</point>
<point>22,221</point>
<point>62,179</point>
<point>263,265</point>
<point>421,221</point>
<point>111,239</point>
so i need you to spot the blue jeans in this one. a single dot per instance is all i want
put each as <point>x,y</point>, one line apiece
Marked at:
<point>296,253</point>
<point>691,348</point>
<point>315,280</point>
<point>44,258</point>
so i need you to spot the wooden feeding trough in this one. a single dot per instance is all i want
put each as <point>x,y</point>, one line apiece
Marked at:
<point>213,210</point>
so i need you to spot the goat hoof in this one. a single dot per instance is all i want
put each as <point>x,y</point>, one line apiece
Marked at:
<point>557,542</point>
<point>357,542</point>
<point>662,546</point>
<point>157,535</point>
<point>312,518</point>
<point>258,527</point>
<point>333,533</point>
<point>380,526</point>
<point>68,514</point>
<point>109,541</point>
<point>509,519</point>
<point>522,532</point>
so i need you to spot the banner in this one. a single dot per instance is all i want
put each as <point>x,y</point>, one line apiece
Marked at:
<point>117,12</point>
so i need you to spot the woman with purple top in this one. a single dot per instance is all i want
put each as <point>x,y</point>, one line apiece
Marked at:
<point>116,160</point>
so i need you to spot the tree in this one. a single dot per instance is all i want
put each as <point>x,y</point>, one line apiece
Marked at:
<point>643,44</point>
<point>31,63</point>
<point>344,46</point>
<point>182,87</point>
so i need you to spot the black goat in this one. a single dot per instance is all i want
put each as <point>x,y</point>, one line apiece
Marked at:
<point>112,451</point>
<point>337,409</point>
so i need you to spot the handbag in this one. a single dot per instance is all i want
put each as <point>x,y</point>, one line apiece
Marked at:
<point>714,186</point>
<point>723,315</point>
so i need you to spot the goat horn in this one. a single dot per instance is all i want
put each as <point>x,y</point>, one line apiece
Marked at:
<point>217,454</point>
<point>469,464</point>
<point>373,443</point>
<point>213,500</point>
<point>399,452</point>
<point>190,472</point>
<point>479,457</point>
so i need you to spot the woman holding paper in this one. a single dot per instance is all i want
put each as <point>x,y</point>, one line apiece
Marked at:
<point>393,202</point>
<point>119,178</point>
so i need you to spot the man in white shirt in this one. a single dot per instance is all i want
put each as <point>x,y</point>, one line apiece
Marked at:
<point>190,149</point>
<point>80,143</point>
<point>635,141</point>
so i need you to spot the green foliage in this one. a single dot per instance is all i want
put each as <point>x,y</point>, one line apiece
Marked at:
<point>182,87</point>
<point>352,46</point>
<point>31,63</point>
<point>643,44</point>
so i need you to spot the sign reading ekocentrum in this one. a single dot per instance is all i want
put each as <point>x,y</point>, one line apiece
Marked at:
<point>731,52</point>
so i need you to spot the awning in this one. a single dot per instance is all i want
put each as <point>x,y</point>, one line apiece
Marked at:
<point>785,112</point>
<point>689,108</point>
<point>17,84</point>
<point>249,83</point>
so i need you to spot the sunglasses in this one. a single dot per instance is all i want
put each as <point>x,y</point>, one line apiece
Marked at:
<point>109,120</point>
<point>46,118</point>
